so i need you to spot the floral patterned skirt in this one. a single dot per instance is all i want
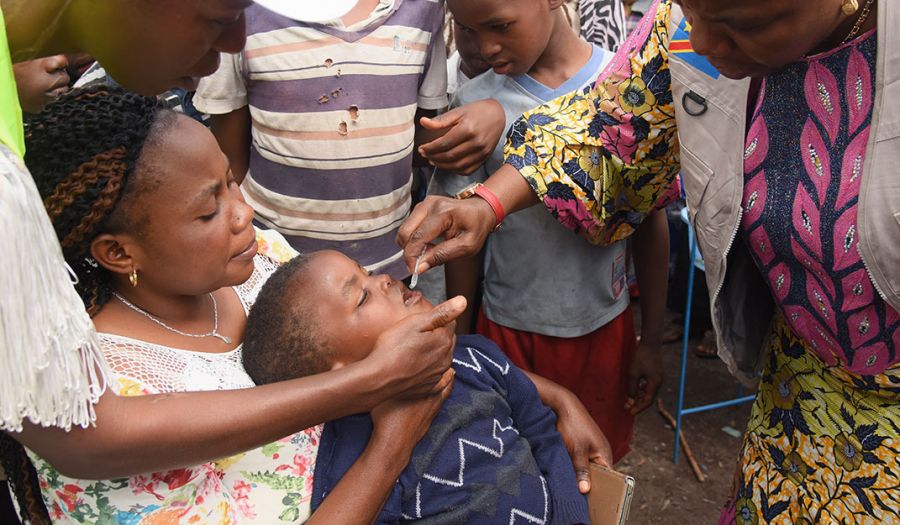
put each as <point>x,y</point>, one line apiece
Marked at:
<point>822,445</point>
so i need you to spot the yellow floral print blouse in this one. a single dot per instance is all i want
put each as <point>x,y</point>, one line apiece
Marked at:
<point>602,158</point>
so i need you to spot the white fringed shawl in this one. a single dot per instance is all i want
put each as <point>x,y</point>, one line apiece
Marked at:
<point>51,368</point>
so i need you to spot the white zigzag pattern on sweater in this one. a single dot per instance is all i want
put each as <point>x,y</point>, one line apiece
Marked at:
<point>475,364</point>
<point>460,480</point>
<point>513,513</point>
<point>516,513</point>
<point>418,504</point>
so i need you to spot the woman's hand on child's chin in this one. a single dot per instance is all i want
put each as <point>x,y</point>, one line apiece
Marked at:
<point>406,421</point>
<point>470,133</point>
<point>411,357</point>
<point>584,439</point>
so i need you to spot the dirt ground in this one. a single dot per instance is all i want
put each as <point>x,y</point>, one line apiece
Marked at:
<point>669,493</point>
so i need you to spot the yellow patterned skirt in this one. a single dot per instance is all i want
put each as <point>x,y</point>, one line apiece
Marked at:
<point>822,445</point>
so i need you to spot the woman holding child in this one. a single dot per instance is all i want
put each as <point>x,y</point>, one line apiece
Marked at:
<point>133,191</point>
<point>54,376</point>
<point>781,119</point>
<point>149,46</point>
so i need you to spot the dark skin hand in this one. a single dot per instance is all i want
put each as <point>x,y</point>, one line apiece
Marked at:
<point>41,80</point>
<point>583,438</point>
<point>461,139</point>
<point>465,224</point>
<point>644,378</point>
<point>398,427</point>
<point>651,263</point>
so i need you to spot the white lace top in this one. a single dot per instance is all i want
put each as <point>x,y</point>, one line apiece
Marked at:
<point>165,369</point>
<point>271,484</point>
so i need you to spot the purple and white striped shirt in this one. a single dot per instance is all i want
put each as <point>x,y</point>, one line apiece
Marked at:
<point>333,111</point>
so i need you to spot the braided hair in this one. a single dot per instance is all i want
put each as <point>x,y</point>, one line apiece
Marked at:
<point>23,481</point>
<point>83,151</point>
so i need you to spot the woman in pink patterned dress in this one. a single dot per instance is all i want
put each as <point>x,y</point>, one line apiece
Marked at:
<point>784,122</point>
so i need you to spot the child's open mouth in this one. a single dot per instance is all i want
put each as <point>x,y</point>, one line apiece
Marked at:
<point>411,297</point>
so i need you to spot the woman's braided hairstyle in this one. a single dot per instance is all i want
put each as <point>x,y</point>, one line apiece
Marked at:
<point>23,481</point>
<point>82,151</point>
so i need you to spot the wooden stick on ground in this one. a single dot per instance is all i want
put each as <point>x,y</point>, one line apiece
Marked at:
<point>684,444</point>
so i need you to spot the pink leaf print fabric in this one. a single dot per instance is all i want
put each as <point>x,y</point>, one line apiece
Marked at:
<point>826,415</point>
<point>801,193</point>
<point>858,90</point>
<point>816,158</point>
<point>822,97</point>
<point>757,145</point>
<point>805,219</point>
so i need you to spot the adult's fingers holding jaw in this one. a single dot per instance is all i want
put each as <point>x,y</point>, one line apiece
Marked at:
<point>444,315</point>
<point>412,356</point>
<point>445,383</point>
<point>409,419</point>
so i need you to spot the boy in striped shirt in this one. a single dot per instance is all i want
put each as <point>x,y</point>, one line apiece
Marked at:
<point>322,118</point>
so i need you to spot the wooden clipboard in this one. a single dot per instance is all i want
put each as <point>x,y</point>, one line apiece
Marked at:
<point>610,496</point>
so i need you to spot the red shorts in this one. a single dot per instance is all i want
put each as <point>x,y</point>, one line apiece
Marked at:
<point>593,366</point>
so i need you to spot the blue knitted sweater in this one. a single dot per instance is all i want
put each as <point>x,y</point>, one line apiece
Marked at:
<point>492,455</point>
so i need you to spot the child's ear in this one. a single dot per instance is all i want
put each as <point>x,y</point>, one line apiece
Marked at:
<point>337,365</point>
<point>113,253</point>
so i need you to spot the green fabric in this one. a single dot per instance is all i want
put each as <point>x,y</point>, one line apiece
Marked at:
<point>11,132</point>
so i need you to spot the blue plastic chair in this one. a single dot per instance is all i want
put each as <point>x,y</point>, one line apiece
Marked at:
<point>681,410</point>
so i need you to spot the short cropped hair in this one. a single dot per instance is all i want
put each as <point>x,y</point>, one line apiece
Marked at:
<point>282,339</point>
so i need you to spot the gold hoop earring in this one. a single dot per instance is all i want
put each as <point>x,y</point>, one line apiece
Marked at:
<point>849,7</point>
<point>133,278</point>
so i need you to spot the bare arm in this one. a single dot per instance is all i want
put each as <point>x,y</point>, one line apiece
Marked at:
<point>651,264</point>
<point>462,277</point>
<point>148,433</point>
<point>398,426</point>
<point>232,131</point>
<point>583,438</point>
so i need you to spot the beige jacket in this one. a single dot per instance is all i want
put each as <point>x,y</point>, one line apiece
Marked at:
<point>712,146</point>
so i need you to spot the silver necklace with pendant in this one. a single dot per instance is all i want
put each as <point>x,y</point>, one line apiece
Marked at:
<point>213,333</point>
